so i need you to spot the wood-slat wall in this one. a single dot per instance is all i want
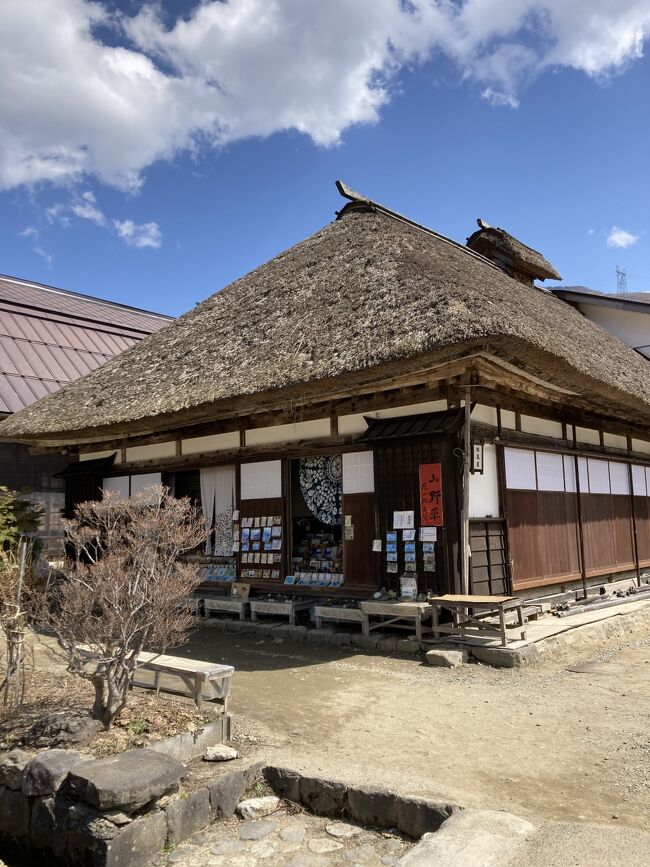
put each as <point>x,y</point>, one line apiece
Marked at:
<point>397,489</point>
<point>642,517</point>
<point>360,564</point>
<point>543,537</point>
<point>608,533</point>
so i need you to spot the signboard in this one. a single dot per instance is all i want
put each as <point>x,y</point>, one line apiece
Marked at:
<point>431,513</point>
<point>403,520</point>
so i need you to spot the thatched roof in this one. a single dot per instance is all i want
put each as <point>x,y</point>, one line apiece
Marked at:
<point>510,253</point>
<point>368,294</point>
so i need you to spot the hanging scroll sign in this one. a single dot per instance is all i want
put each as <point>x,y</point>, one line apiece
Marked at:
<point>431,513</point>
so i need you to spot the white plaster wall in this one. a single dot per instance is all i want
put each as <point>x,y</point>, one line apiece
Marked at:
<point>586,435</point>
<point>358,473</point>
<point>484,489</point>
<point>211,443</point>
<point>144,480</point>
<point>630,326</point>
<point>541,426</point>
<point>148,453</point>
<point>508,419</point>
<point>641,446</point>
<point>353,424</point>
<point>118,484</point>
<point>91,456</point>
<point>261,480</point>
<point>614,441</point>
<point>302,430</point>
<point>485,414</point>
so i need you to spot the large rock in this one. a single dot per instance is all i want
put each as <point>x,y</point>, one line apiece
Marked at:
<point>127,780</point>
<point>62,729</point>
<point>11,768</point>
<point>283,781</point>
<point>375,807</point>
<point>446,657</point>
<point>227,789</point>
<point>135,844</point>
<point>257,808</point>
<point>506,657</point>
<point>14,814</point>
<point>323,797</point>
<point>470,838</point>
<point>44,774</point>
<point>187,815</point>
<point>220,753</point>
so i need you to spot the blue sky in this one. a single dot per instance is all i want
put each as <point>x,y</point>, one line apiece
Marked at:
<point>534,122</point>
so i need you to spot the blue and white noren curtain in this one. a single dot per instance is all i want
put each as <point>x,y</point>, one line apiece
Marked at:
<point>320,485</point>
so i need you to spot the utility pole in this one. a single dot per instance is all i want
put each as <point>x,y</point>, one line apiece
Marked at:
<point>621,282</point>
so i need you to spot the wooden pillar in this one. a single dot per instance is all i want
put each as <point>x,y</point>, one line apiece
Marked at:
<point>464,534</point>
<point>581,538</point>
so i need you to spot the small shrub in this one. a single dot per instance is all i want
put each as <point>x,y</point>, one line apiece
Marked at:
<point>126,590</point>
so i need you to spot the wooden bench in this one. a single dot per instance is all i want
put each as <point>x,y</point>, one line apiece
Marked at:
<point>231,604</point>
<point>400,615</point>
<point>202,681</point>
<point>338,613</point>
<point>287,608</point>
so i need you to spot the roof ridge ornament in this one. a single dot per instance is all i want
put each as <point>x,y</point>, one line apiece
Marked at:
<point>348,193</point>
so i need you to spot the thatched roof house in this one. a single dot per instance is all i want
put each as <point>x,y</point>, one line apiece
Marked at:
<point>369,296</point>
<point>378,400</point>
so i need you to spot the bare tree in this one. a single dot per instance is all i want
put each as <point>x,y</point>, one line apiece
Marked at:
<point>16,575</point>
<point>126,589</point>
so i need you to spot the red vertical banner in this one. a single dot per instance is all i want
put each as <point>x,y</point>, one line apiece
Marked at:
<point>431,495</point>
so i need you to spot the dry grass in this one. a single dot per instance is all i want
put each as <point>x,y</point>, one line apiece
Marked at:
<point>146,719</point>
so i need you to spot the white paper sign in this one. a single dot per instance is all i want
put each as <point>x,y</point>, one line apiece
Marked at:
<point>403,520</point>
<point>428,534</point>
<point>376,545</point>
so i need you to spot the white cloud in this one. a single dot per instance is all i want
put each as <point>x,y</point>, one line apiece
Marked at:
<point>139,235</point>
<point>43,254</point>
<point>72,106</point>
<point>55,213</point>
<point>30,232</point>
<point>618,237</point>
<point>85,207</point>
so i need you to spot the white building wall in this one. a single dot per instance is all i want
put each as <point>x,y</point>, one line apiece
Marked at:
<point>630,326</point>
<point>212,443</point>
<point>149,453</point>
<point>280,433</point>
<point>484,488</point>
<point>91,456</point>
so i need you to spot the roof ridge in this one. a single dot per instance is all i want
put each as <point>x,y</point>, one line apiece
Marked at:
<point>68,292</point>
<point>358,199</point>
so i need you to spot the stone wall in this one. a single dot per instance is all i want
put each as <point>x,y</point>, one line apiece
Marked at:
<point>67,808</point>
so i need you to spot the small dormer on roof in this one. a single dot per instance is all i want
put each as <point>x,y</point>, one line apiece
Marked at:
<point>516,259</point>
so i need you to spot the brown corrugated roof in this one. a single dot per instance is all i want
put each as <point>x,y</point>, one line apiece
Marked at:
<point>50,337</point>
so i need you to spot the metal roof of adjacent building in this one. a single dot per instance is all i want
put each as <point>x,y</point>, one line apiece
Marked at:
<point>50,337</point>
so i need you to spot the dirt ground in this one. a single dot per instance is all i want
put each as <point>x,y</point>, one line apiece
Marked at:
<point>564,743</point>
<point>544,742</point>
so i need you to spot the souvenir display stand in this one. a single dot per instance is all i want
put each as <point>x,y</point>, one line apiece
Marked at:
<point>283,608</point>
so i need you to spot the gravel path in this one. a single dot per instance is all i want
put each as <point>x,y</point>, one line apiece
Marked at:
<point>288,840</point>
